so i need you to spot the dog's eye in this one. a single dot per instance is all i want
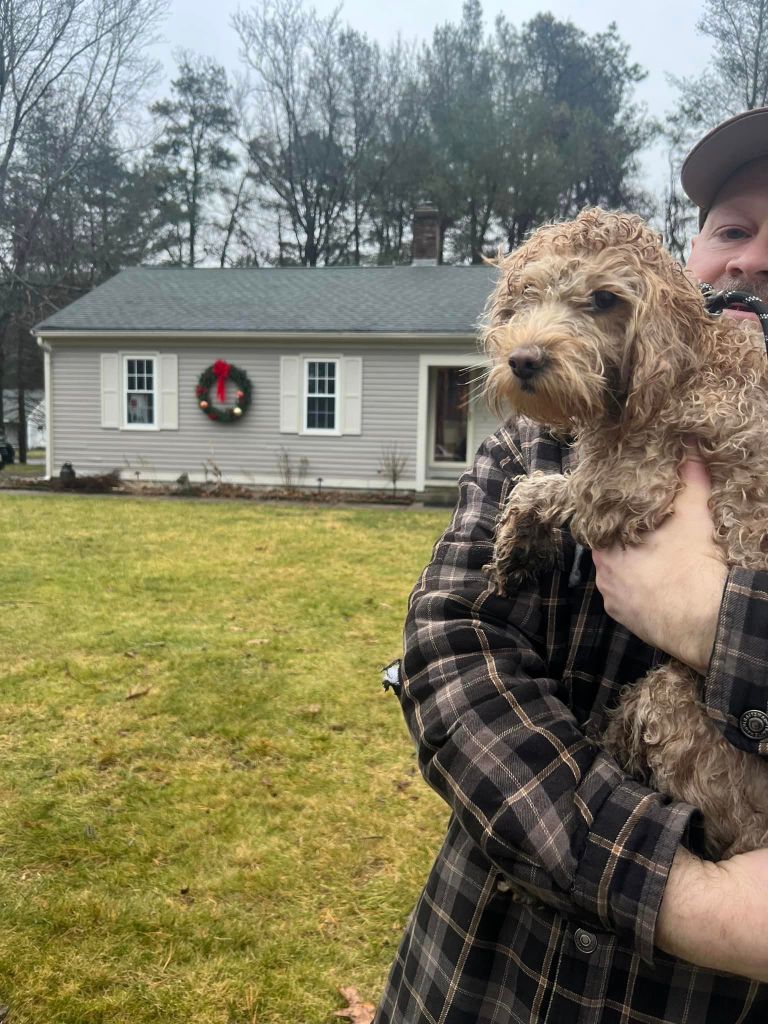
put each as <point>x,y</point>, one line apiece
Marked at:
<point>603,300</point>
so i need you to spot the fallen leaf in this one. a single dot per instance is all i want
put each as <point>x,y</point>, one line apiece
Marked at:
<point>137,693</point>
<point>256,640</point>
<point>358,1012</point>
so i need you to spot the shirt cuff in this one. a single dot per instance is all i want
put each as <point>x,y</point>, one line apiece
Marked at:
<point>620,879</point>
<point>736,685</point>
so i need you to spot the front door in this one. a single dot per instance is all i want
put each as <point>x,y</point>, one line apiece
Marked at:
<point>449,427</point>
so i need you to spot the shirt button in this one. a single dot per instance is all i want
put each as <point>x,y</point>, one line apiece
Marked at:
<point>754,724</point>
<point>585,941</point>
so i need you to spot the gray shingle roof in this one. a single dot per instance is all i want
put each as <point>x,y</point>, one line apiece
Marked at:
<point>352,299</point>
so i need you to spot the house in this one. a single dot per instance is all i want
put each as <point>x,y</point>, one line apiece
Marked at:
<point>34,404</point>
<point>323,373</point>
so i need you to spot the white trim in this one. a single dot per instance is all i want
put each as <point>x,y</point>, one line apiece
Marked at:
<point>426,360</point>
<point>444,481</point>
<point>47,380</point>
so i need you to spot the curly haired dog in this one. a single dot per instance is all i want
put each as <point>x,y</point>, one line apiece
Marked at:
<point>597,332</point>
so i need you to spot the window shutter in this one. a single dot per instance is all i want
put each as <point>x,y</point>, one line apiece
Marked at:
<point>169,393</point>
<point>290,394</point>
<point>352,383</point>
<point>110,390</point>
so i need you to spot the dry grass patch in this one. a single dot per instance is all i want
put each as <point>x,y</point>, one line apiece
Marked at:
<point>209,810</point>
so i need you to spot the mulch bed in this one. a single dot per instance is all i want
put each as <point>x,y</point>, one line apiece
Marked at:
<point>110,483</point>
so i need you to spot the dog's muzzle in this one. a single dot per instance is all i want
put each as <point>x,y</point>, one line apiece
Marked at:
<point>526,362</point>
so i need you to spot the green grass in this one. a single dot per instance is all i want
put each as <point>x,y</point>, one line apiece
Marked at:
<point>22,469</point>
<point>209,809</point>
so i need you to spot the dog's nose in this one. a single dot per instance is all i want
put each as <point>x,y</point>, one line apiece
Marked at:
<point>525,362</point>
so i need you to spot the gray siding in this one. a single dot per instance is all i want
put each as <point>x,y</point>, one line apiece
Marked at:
<point>247,450</point>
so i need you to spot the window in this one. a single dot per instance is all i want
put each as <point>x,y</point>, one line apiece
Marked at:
<point>321,393</point>
<point>139,377</point>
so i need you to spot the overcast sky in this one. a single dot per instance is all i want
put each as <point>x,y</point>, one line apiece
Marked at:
<point>661,33</point>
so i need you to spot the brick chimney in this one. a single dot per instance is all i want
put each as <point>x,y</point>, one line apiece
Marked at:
<point>426,250</point>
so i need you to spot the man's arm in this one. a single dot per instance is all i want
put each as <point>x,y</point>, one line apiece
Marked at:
<point>714,915</point>
<point>545,804</point>
<point>674,592</point>
<point>670,592</point>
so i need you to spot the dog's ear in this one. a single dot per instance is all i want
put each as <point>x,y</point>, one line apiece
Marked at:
<point>667,325</point>
<point>647,371</point>
<point>657,356</point>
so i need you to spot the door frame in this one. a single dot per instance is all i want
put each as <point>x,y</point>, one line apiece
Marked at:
<point>426,362</point>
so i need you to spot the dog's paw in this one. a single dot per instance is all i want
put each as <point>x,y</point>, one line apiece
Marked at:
<point>525,548</point>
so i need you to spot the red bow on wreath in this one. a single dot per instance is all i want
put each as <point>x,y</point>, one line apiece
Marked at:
<point>221,373</point>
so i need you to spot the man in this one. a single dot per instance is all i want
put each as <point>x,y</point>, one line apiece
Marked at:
<point>564,890</point>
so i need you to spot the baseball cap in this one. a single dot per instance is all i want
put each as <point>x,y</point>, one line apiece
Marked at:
<point>720,153</point>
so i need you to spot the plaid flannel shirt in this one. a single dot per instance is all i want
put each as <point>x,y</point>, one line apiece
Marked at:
<point>542,903</point>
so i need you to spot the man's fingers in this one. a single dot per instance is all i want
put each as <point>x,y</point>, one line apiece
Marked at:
<point>694,472</point>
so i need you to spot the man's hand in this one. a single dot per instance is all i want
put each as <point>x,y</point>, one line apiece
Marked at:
<point>668,590</point>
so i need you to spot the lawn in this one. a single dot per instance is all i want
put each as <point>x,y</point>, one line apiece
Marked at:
<point>209,808</point>
<point>22,469</point>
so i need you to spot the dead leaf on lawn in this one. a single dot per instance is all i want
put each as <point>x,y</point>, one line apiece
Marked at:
<point>358,1012</point>
<point>138,693</point>
<point>313,709</point>
<point>256,641</point>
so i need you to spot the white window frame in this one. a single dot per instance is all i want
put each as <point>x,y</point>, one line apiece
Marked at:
<point>337,397</point>
<point>156,390</point>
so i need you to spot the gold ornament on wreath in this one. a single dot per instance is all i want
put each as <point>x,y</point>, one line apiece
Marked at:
<point>219,373</point>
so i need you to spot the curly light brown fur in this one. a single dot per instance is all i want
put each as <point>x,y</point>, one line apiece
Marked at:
<point>629,383</point>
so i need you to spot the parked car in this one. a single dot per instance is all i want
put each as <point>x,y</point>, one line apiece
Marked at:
<point>6,453</point>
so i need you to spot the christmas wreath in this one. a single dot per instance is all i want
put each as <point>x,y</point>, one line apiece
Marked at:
<point>219,373</point>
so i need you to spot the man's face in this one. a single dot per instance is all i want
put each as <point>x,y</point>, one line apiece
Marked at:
<point>732,250</point>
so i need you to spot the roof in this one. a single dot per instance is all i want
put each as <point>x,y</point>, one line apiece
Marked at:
<point>389,300</point>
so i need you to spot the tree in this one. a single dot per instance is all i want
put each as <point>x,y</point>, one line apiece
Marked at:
<point>325,98</point>
<point>90,50</point>
<point>737,76</point>
<point>574,133</point>
<point>468,145</point>
<point>405,169</point>
<point>74,232</point>
<point>296,153</point>
<point>85,58</point>
<point>193,154</point>
<point>527,124</point>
